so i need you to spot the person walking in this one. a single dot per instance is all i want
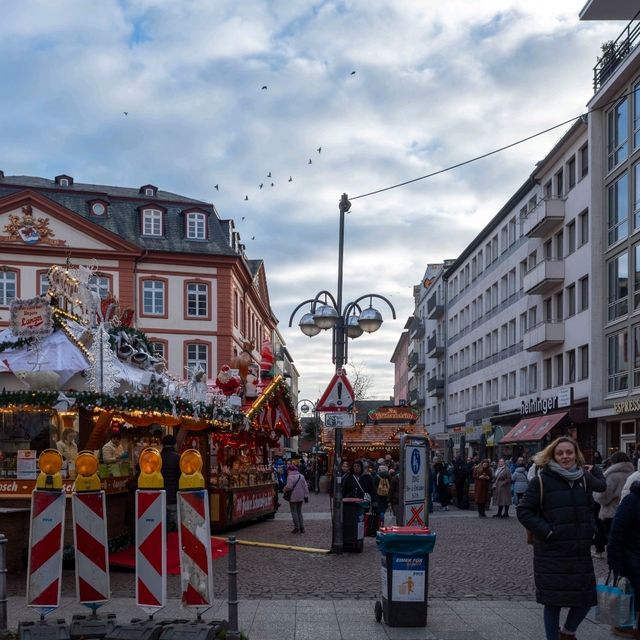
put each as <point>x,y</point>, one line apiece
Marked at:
<point>171,475</point>
<point>442,486</point>
<point>460,479</point>
<point>502,489</point>
<point>520,481</point>
<point>482,476</point>
<point>623,549</point>
<point>556,508</point>
<point>298,490</point>
<point>382,487</point>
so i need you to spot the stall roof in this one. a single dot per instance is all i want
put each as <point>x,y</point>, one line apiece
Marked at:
<point>372,435</point>
<point>533,429</point>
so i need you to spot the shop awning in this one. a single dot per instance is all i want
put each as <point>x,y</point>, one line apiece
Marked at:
<point>533,429</point>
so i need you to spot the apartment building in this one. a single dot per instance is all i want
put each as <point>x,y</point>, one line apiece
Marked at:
<point>400,361</point>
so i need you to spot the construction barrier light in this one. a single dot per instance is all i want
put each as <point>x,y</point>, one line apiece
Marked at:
<point>50,463</point>
<point>87,472</point>
<point>191,468</point>
<point>150,463</point>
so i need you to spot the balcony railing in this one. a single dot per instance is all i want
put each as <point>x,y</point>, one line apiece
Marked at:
<point>416,362</point>
<point>435,346</point>
<point>613,55</point>
<point>544,277</point>
<point>543,336</point>
<point>435,306</point>
<point>416,398</point>
<point>435,386</point>
<point>416,329</point>
<point>543,218</point>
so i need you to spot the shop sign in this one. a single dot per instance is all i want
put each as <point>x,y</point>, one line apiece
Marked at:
<point>544,405</point>
<point>26,465</point>
<point>627,406</point>
<point>393,414</point>
<point>31,318</point>
<point>246,503</point>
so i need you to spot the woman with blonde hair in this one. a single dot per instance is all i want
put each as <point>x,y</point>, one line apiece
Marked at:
<point>556,508</point>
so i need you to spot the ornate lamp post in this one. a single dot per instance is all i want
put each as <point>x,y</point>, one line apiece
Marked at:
<point>348,321</point>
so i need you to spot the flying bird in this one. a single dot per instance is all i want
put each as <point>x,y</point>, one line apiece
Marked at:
<point>261,185</point>
<point>269,174</point>
<point>246,197</point>
<point>264,86</point>
<point>353,73</point>
<point>243,217</point>
<point>272,184</point>
<point>253,237</point>
<point>310,161</point>
<point>216,188</point>
<point>290,179</point>
<point>126,113</point>
<point>319,149</point>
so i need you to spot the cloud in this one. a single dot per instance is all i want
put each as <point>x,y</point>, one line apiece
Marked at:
<point>435,84</point>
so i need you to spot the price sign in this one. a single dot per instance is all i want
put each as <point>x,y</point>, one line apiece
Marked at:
<point>339,420</point>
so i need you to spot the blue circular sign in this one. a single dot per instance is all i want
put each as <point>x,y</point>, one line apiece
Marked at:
<point>415,461</point>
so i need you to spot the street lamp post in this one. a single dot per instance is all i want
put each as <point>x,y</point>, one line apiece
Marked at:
<point>348,321</point>
<point>305,408</point>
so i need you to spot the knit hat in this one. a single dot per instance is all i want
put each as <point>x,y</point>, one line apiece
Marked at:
<point>292,467</point>
<point>383,468</point>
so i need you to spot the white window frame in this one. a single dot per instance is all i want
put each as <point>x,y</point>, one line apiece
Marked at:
<point>152,223</point>
<point>194,356</point>
<point>8,287</point>
<point>154,297</point>
<point>198,297</point>
<point>196,226</point>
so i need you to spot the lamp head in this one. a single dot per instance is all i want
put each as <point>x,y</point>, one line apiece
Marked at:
<point>354,330</point>
<point>370,320</point>
<point>325,316</point>
<point>308,325</point>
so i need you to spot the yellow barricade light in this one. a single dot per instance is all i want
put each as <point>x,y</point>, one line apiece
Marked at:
<point>150,465</point>
<point>50,463</point>
<point>87,472</point>
<point>191,467</point>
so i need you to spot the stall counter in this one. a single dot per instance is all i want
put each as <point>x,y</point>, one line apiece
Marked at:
<point>231,505</point>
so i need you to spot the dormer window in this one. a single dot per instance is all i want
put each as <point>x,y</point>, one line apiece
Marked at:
<point>196,226</point>
<point>63,180</point>
<point>152,222</point>
<point>148,190</point>
<point>99,208</point>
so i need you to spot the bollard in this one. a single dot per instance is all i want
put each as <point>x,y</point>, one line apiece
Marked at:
<point>232,632</point>
<point>3,582</point>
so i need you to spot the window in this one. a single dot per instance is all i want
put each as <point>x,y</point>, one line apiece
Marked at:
<point>571,172</point>
<point>547,249</point>
<point>512,384</point>
<point>547,310</point>
<point>532,319</point>
<point>236,308</point>
<point>559,185</point>
<point>197,300</point>
<point>618,209</point>
<point>8,287</point>
<point>151,222</point>
<point>548,190</point>
<point>43,284</point>
<point>636,356</point>
<point>618,362</point>
<point>617,134</point>
<point>153,297</point>
<point>636,116</point>
<point>559,304</point>
<point>524,381</point>
<point>533,378</point>
<point>583,283</point>
<point>547,375</point>
<point>559,361</point>
<point>571,366</point>
<point>512,231</point>
<point>159,349</point>
<point>636,276</point>
<point>64,182</point>
<point>512,332</point>
<point>571,237</point>
<point>98,209</point>
<point>148,192</point>
<point>197,356</point>
<point>100,284</point>
<point>196,226</point>
<point>571,300</point>
<point>618,284</point>
<point>584,361</point>
<point>533,201</point>
<point>559,241</point>
<point>504,387</point>
<point>583,220</point>
<point>504,238</point>
<point>584,160</point>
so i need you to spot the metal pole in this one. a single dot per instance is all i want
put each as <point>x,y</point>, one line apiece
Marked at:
<point>232,632</point>
<point>3,582</point>
<point>316,470</point>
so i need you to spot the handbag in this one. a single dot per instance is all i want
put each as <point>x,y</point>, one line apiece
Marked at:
<point>365,496</point>
<point>389,518</point>
<point>530,534</point>
<point>615,602</point>
<point>286,492</point>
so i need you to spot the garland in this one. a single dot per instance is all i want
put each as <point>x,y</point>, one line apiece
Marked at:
<point>16,344</point>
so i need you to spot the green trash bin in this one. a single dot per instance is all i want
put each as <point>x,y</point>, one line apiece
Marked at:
<point>405,575</point>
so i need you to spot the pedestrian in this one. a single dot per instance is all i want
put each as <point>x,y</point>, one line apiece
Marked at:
<point>597,457</point>
<point>382,486</point>
<point>502,489</point>
<point>556,508</point>
<point>520,481</point>
<point>623,550</point>
<point>482,476</point>
<point>356,484</point>
<point>394,493</point>
<point>67,445</point>
<point>171,476</point>
<point>460,479</point>
<point>298,490</point>
<point>442,485</point>
<point>113,451</point>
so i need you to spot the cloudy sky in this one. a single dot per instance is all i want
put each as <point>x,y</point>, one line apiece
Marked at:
<point>435,83</point>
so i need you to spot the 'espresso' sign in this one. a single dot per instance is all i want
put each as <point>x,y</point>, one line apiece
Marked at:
<point>627,406</point>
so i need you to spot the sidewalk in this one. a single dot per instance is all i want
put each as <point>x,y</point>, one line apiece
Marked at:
<point>347,619</point>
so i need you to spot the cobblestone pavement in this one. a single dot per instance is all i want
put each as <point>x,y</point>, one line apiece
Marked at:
<point>473,558</point>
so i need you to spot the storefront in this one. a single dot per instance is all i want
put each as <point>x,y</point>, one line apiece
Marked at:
<point>622,429</point>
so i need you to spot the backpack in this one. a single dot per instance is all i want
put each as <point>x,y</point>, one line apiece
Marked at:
<point>383,487</point>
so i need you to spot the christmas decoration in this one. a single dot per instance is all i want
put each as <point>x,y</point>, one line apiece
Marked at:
<point>103,372</point>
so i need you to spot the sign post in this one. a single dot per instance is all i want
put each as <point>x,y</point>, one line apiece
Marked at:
<point>414,481</point>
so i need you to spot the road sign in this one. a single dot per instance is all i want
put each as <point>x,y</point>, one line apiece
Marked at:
<point>339,420</point>
<point>414,493</point>
<point>338,396</point>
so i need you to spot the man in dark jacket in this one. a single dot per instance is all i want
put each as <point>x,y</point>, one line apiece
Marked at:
<point>171,476</point>
<point>460,478</point>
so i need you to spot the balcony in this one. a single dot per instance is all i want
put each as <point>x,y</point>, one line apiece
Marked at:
<point>435,346</point>
<point>416,362</point>
<point>616,52</point>
<point>435,306</point>
<point>416,399</point>
<point>543,336</point>
<point>416,329</point>
<point>435,387</point>
<point>547,215</point>
<point>544,277</point>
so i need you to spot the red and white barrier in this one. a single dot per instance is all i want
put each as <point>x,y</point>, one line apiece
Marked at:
<point>151,544</point>
<point>46,537</point>
<point>90,537</point>
<point>194,537</point>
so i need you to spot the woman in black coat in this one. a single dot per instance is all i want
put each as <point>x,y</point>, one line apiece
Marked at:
<point>623,548</point>
<point>562,523</point>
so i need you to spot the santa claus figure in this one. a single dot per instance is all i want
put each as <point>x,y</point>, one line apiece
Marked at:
<point>228,383</point>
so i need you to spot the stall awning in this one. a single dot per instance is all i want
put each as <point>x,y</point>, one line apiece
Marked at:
<point>533,429</point>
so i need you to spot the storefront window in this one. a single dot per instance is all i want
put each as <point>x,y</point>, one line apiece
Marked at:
<point>618,362</point>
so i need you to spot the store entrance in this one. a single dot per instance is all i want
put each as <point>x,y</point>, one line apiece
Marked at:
<point>628,437</point>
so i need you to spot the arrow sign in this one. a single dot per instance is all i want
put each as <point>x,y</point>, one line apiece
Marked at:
<point>338,396</point>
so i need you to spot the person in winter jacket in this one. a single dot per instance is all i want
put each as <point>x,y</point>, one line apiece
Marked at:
<point>502,489</point>
<point>171,476</point>
<point>634,477</point>
<point>442,485</point>
<point>381,487</point>
<point>482,475</point>
<point>616,475</point>
<point>623,550</point>
<point>556,508</point>
<point>299,489</point>
<point>461,480</point>
<point>519,479</point>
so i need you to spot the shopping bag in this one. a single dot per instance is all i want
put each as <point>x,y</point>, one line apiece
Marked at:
<point>389,518</point>
<point>615,602</point>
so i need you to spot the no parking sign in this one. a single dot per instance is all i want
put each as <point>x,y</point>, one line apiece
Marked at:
<point>414,479</point>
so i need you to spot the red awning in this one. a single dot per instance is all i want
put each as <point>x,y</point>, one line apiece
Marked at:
<point>533,429</point>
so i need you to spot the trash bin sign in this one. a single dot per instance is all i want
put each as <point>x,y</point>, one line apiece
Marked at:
<point>408,580</point>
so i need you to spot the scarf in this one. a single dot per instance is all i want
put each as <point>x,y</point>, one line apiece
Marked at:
<point>575,473</point>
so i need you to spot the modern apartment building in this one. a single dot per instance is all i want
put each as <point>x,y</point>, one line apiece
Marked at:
<point>400,361</point>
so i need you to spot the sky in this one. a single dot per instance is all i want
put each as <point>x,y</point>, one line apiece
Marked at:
<point>330,98</point>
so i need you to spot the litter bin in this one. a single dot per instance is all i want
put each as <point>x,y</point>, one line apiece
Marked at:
<point>353,524</point>
<point>405,575</point>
